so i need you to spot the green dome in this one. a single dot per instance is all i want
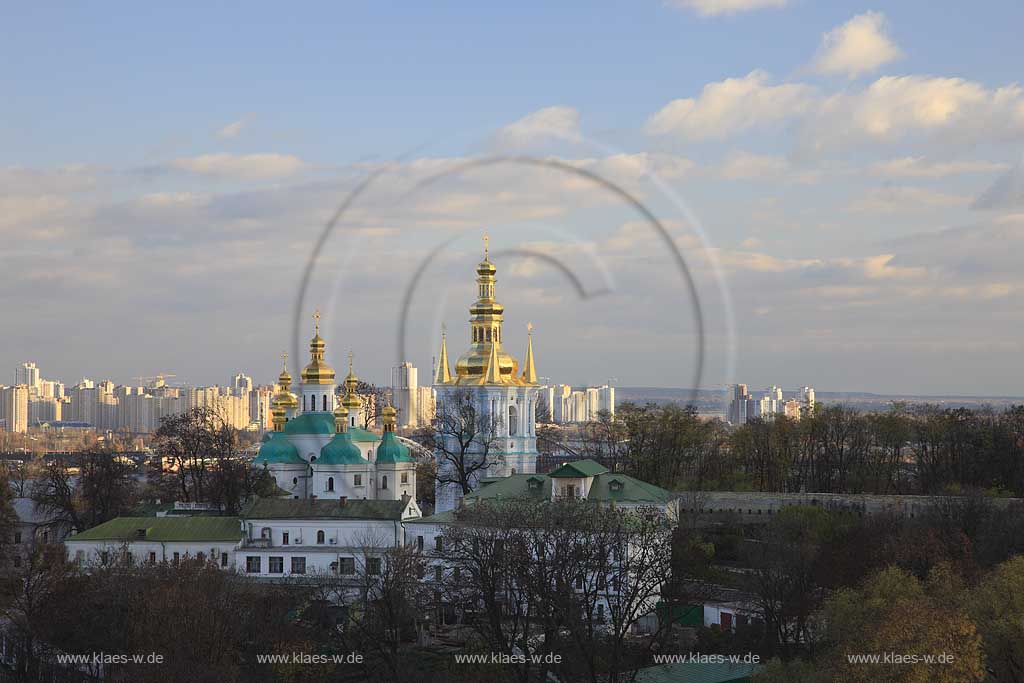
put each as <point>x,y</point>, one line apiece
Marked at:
<point>278,450</point>
<point>323,423</point>
<point>391,450</point>
<point>341,451</point>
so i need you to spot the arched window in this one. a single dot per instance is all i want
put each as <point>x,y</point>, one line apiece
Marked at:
<point>513,421</point>
<point>325,403</point>
<point>384,482</point>
<point>330,483</point>
<point>320,536</point>
<point>295,481</point>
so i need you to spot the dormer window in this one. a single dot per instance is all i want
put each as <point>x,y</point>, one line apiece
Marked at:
<point>615,486</point>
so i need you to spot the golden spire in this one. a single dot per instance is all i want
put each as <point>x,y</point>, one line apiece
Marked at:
<point>351,400</point>
<point>493,374</point>
<point>317,372</point>
<point>529,369</point>
<point>341,418</point>
<point>284,396</point>
<point>387,417</point>
<point>444,375</point>
<point>486,240</point>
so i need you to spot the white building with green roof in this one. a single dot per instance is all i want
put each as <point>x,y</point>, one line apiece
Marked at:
<point>317,449</point>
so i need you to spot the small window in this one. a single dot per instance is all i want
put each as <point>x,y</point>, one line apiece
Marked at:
<point>325,403</point>
<point>17,537</point>
<point>177,558</point>
<point>405,477</point>
<point>223,559</point>
<point>152,558</point>
<point>252,565</point>
<point>298,565</point>
<point>419,543</point>
<point>347,565</point>
<point>330,483</point>
<point>384,482</point>
<point>373,566</point>
<point>320,537</point>
<point>579,583</point>
<point>600,613</point>
<point>357,480</point>
<point>439,544</point>
<point>276,565</point>
<point>295,481</point>
<point>284,538</point>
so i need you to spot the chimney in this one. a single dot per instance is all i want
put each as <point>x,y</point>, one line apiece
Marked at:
<point>342,501</point>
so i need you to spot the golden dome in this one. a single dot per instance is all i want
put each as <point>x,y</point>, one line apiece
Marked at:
<point>284,398</point>
<point>351,399</point>
<point>317,372</point>
<point>486,315</point>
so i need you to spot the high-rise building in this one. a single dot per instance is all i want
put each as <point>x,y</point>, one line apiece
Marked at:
<point>405,394</point>
<point>14,407</point>
<point>606,400</point>
<point>42,409</point>
<point>738,398</point>
<point>426,406</point>
<point>27,374</point>
<point>807,397</point>
<point>241,384</point>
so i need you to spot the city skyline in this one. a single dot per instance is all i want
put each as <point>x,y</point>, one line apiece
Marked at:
<point>845,191</point>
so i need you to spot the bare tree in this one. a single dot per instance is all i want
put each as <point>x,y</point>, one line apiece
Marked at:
<point>465,441</point>
<point>103,488</point>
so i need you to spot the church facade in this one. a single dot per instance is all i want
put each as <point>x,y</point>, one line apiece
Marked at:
<point>487,408</point>
<point>317,449</point>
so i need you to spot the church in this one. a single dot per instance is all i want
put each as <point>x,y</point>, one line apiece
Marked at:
<point>496,436</point>
<point>317,449</point>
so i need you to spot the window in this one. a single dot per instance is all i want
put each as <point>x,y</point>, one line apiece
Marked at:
<point>295,481</point>
<point>579,583</point>
<point>325,403</point>
<point>320,537</point>
<point>357,480</point>
<point>600,613</point>
<point>405,477</point>
<point>17,537</point>
<point>601,581</point>
<point>276,565</point>
<point>330,483</point>
<point>284,538</point>
<point>177,558</point>
<point>373,566</point>
<point>152,558</point>
<point>439,544</point>
<point>347,565</point>
<point>298,565</point>
<point>419,543</point>
<point>223,559</point>
<point>384,482</point>
<point>252,565</point>
<point>438,573</point>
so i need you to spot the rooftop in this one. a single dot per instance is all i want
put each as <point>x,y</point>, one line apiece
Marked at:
<point>358,508</point>
<point>164,529</point>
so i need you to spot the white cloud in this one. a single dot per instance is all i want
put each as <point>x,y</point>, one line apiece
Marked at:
<point>241,166</point>
<point>859,46</point>
<point>558,123</point>
<point>905,199</point>
<point>233,129</point>
<point>711,8</point>
<point>919,167</point>
<point>731,106</point>
<point>948,111</point>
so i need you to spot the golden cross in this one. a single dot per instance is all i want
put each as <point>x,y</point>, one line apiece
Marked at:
<point>350,362</point>
<point>316,318</point>
<point>284,360</point>
<point>486,240</point>
<point>529,328</point>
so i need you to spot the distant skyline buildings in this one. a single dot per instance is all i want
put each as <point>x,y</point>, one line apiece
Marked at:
<point>742,406</point>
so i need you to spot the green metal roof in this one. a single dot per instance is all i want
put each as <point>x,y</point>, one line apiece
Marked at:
<point>391,450</point>
<point>280,508</point>
<point>323,423</point>
<point>341,451</point>
<point>697,672</point>
<point>579,468</point>
<point>278,450</point>
<point>164,529</point>
<point>605,487</point>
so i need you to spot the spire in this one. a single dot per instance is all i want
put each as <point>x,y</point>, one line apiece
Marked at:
<point>284,396</point>
<point>341,418</point>
<point>486,241</point>
<point>317,372</point>
<point>529,369</point>
<point>351,400</point>
<point>493,373</point>
<point>444,375</point>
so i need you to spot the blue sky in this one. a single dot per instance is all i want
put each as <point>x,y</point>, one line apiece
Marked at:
<point>164,172</point>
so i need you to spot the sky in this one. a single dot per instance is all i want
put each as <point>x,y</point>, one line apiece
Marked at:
<point>675,192</point>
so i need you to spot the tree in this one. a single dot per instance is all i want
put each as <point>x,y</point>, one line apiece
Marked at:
<point>103,489</point>
<point>894,613</point>
<point>997,605</point>
<point>465,442</point>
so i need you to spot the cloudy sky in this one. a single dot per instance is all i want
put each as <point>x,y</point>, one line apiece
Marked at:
<point>764,191</point>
